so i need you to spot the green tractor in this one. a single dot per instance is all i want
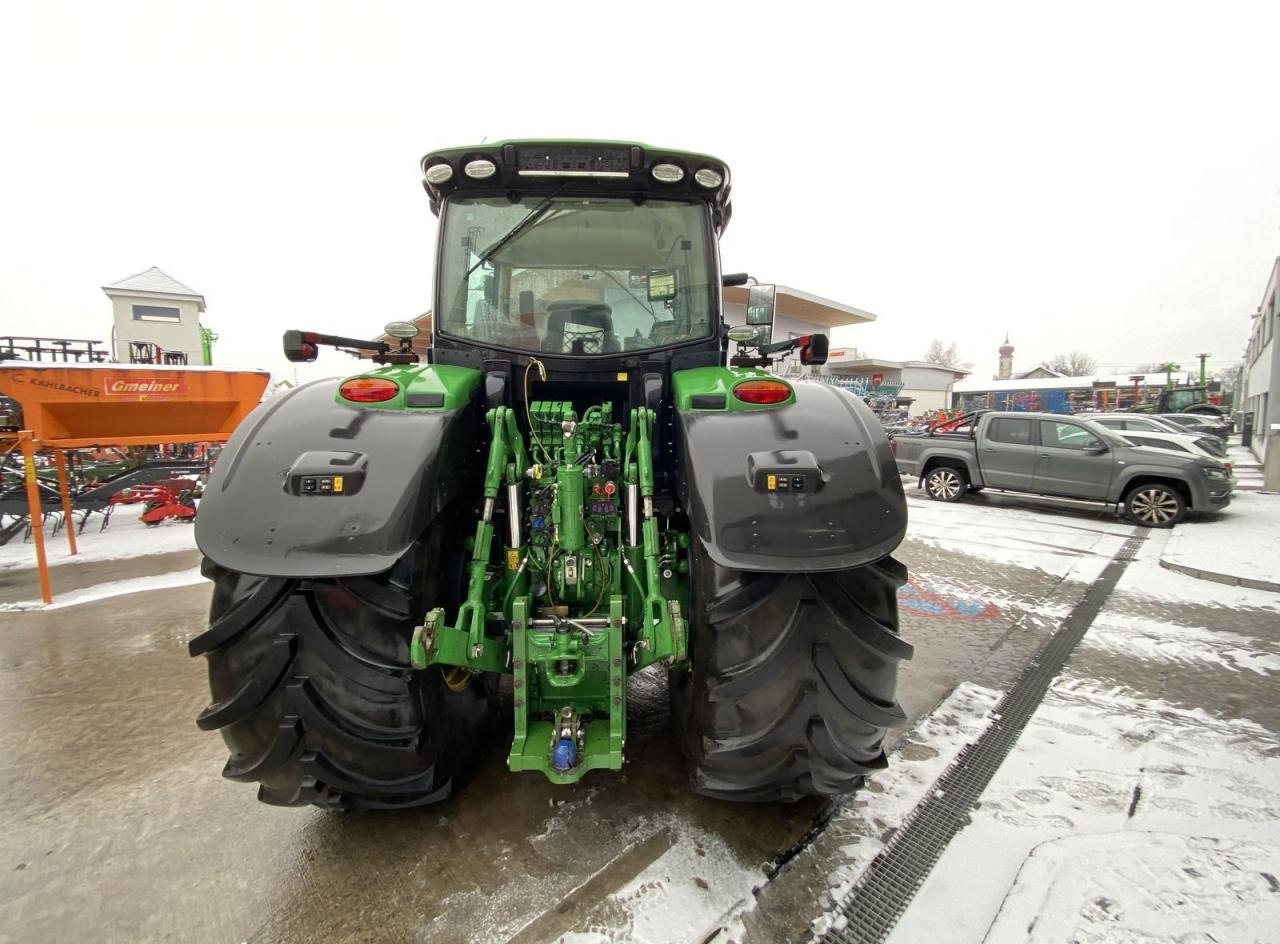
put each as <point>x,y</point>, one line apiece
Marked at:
<point>581,482</point>
<point>1186,399</point>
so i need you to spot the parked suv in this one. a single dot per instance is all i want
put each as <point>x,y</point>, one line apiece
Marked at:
<point>1051,455</point>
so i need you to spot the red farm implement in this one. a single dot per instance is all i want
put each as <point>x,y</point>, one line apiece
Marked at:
<point>173,498</point>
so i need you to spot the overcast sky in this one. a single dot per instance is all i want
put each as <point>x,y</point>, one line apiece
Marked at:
<point>1102,177</point>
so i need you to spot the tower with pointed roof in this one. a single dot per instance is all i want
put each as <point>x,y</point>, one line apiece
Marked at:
<point>1006,359</point>
<point>157,320</point>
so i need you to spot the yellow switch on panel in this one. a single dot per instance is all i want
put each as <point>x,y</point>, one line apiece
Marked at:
<point>337,483</point>
<point>773,483</point>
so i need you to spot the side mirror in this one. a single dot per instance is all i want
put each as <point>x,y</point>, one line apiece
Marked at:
<point>1096,449</point>
<point>761,302</point>
<point>298,348</point>
<point>730,279</point>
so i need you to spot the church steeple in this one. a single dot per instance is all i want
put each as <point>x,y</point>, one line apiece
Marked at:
<point>1006,359</point>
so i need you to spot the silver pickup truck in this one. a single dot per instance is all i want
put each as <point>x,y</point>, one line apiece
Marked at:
<point>1058,456</point>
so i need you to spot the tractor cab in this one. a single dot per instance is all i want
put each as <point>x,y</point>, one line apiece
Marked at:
<point>562,251</point>
<point>577,250</point>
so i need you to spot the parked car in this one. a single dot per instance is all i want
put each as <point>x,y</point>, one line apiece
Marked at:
<point>1133,422</point>
<point>1181,443</point>
<point>1200,423</point>
<point>1055,456</point>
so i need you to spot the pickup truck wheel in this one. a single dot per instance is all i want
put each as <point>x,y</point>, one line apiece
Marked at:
<point>944,483</point>
<point>791,682</point>
<point>315,697</point>
<point>1155,506</point>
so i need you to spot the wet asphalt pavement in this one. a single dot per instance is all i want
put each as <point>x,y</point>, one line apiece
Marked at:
<point>115,825</point>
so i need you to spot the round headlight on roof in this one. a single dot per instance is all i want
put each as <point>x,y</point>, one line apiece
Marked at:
<point>668,173</point>
<point>438,173</point>
<point>708,177</point>
<point>401,329</point>
<point>480,169</point>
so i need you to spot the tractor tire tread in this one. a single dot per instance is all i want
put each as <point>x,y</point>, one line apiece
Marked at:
<point>314,695</point>
<point>791,687</point>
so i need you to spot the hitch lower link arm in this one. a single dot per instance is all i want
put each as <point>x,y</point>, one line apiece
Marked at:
<point>466,644</point>
<point>661,636</point>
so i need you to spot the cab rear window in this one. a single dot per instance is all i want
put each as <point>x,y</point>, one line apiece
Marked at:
<point>1009,430</point>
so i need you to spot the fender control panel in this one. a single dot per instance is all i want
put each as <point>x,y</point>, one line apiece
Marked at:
<point>787,482</point>
<point>322,484</point>
<point>327,473</point>
<point>785,472</point>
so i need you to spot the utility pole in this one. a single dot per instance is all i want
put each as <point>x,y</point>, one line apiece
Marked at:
<point>1203,358</point>
<point>1169,367</point>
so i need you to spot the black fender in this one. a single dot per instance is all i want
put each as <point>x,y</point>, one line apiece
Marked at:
<point>851,510</point>
<point>401,468</point>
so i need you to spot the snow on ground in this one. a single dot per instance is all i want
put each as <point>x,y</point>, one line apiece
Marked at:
<point>1248,470</point>
<point>1146,578</point>
<point>1183,811</point>
<point>1243,540</point>
<point>1141,886</point>
<point>1159,641</point>
<point>1002,532</point>
<point>123,538</point>
<point>112,588</point>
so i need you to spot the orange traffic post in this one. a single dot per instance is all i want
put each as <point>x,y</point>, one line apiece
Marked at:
<point>36,510</point>
<point>60,462</point>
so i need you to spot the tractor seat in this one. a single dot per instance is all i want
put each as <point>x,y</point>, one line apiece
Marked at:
<point>595,316</point>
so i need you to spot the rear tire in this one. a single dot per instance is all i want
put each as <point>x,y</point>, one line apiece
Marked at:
<point>1155,506</point>
<point>945,483</point>
<point>791,685</point>
<point>315,697</point>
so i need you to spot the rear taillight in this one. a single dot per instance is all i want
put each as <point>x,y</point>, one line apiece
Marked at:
<point>762,391</point>
<point>368,390</point>
<point>1228,467</point>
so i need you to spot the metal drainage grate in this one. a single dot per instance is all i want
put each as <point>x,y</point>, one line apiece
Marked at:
<point>874,905</point>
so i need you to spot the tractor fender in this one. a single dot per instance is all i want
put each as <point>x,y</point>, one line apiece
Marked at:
<point>850,510</point>
<point>400,468</point>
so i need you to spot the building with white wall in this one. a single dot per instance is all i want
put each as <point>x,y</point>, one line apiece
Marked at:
<point>928,386</point>
<point>153,308</point>
<point>1260,394</point>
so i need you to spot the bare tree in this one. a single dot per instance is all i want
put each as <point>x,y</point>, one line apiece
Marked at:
<point>944,355</point>
<point>1075,364</point>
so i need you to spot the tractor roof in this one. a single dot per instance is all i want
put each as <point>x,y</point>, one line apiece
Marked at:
<point>625,168</point>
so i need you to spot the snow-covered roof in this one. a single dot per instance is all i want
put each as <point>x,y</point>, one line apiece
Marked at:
<point>976,385</point>
<point>153,281</point>
<point>957,371</point>
<point>851,359</point>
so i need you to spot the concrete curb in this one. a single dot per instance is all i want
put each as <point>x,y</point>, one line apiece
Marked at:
<point>1227,579</point>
